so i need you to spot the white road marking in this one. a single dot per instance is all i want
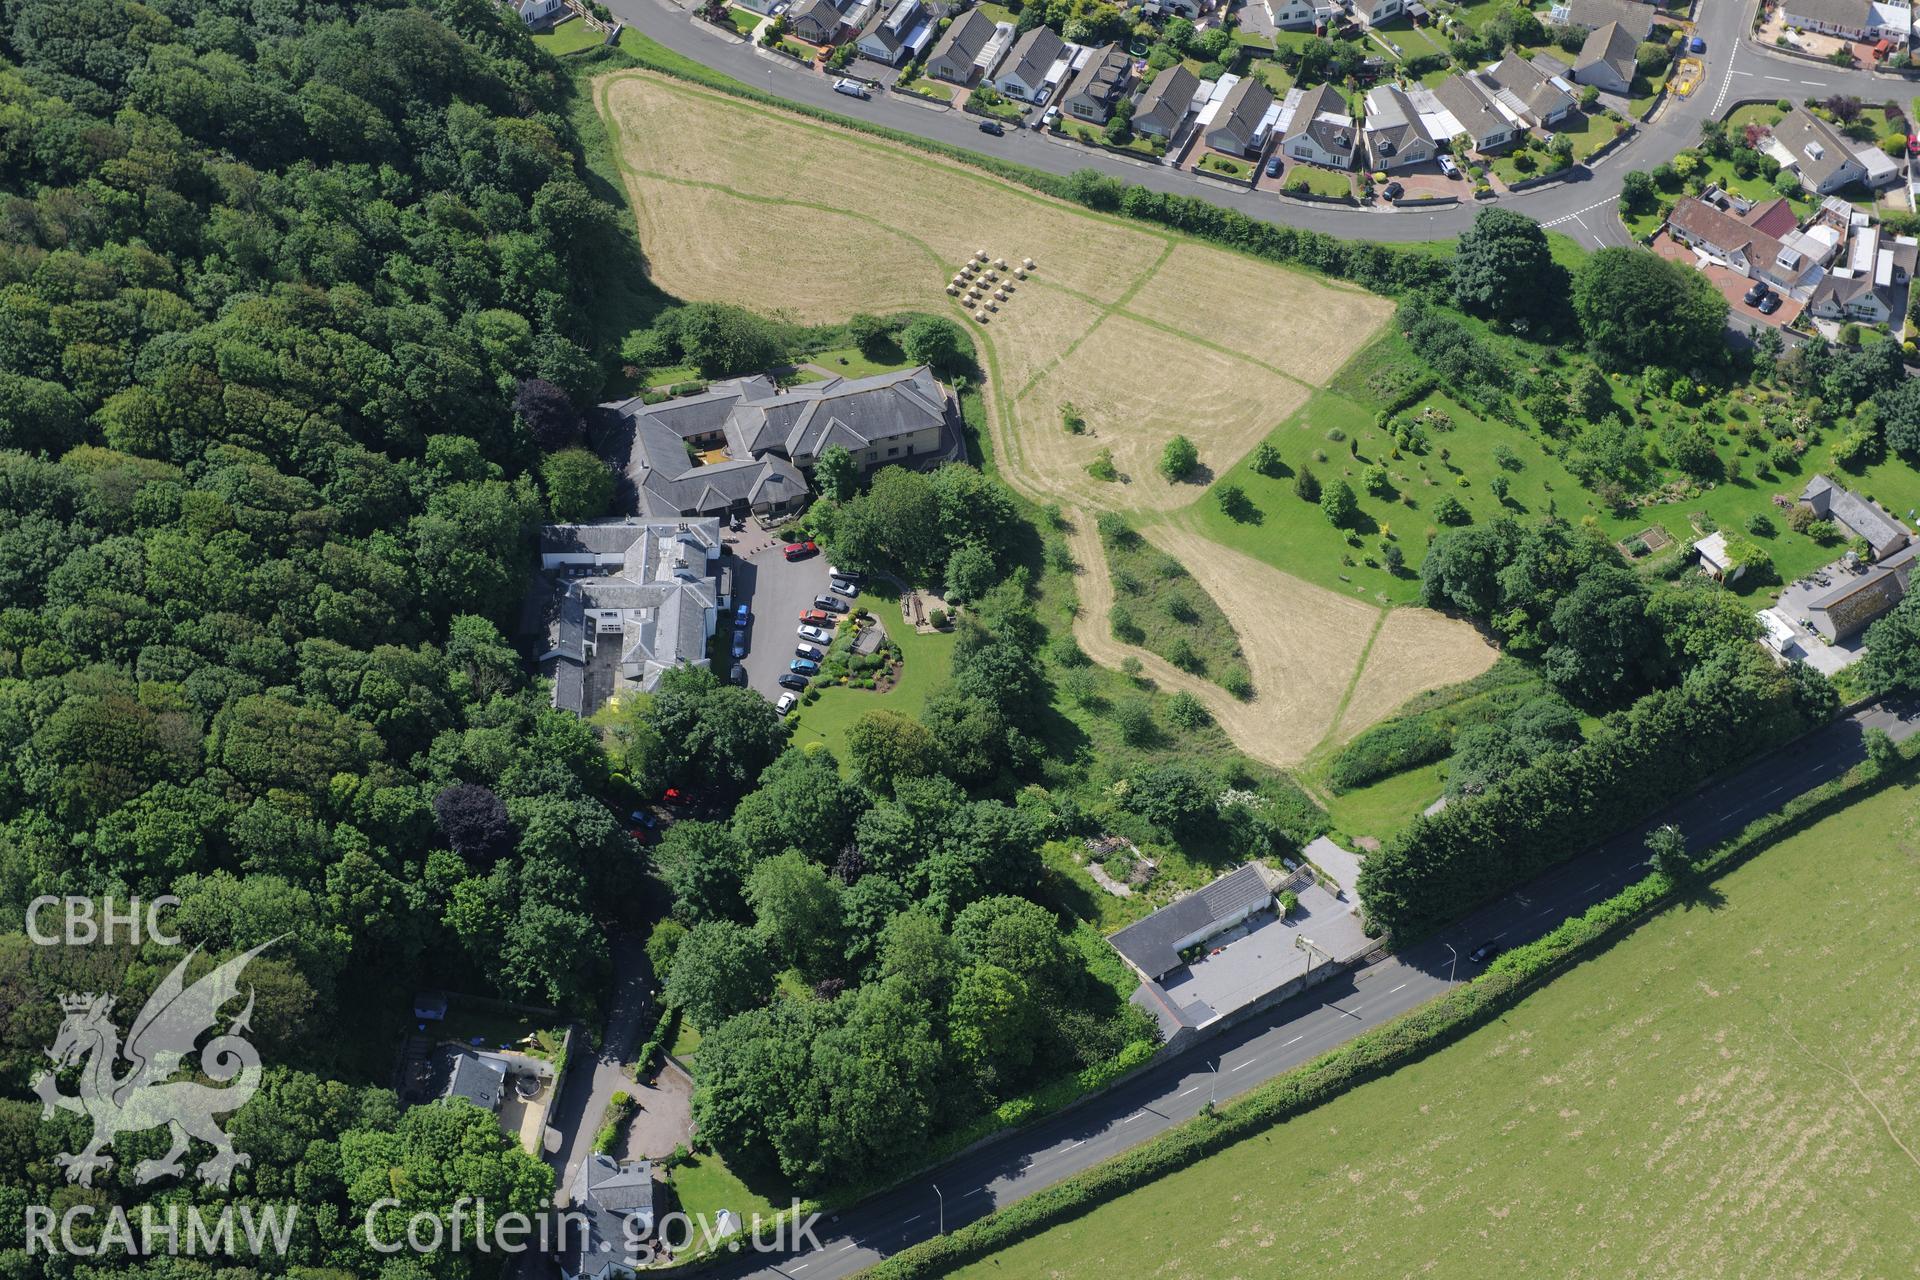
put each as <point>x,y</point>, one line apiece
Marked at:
<point>977,1191</point>
<point>1402,986</point>
<point>1135,1116</point>
<point>1185,1092</point>
<point>800,1266</point>
<point>843,1248</point>
<point>1781,79</point>
<point>914,1218</point>
<point>1295,1040</point>
<point>1247,1063</point>
<point>1071,1145</point>
<point>1739,73</point>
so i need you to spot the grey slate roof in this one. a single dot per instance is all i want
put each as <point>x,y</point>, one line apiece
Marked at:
<point>1166,102</point>
<point>1104,78</point>
<point>769,432</point>
<point>1614,45</point>
<point>1819,150</point>
<point>1323,116</point>
<point>1475,114</point>
<point>1392,123</point>
<point>811,18</point>
<point>479,1080</point>
<point>1150,943</point>
<point>1032,56</point>
<point>1635,16</point>
<point>1524,87</point>
<point>1862,518</point>
<point>963,39</point>
<point>1847,15</point>
<point>610,1196</point>
<point>1239,116</point>
<point>654,610</point>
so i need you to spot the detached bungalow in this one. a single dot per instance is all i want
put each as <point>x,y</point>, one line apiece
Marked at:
<point>1028,73</point>
<point>818,22</point>
<point>1370,12</point>
<point>899,35</point>
<point>1165,106</point>
<point>1472,113</point>
<point>967,49</point>
<point>1244,119</point>
<point>1820,155</point>
<point>1300,13</point>
<point>1523,91</point>
<point>1848,19</point>
<point>1607,59</point>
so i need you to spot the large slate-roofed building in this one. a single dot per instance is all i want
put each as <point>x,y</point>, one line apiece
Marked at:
<point>623,602</point>
<point>1153,945</point>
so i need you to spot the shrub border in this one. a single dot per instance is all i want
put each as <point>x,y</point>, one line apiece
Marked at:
<point>1408,1038</point>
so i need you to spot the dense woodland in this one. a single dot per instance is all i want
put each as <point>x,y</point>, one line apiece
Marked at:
<point>271,276</point>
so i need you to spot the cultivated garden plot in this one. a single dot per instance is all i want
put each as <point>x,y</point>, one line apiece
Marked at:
<point>1135,335</point>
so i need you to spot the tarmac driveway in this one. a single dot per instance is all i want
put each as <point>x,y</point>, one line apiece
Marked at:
<point>776,590</point>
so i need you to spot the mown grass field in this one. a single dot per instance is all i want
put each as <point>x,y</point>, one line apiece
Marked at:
<point>1146,333</point>
<point>1728,1091</point>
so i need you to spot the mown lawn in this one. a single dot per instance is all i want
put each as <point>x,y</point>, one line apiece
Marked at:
<point>570,37</point>
<point>1321,182</point>
<point>926,660</point>
<point>1728,1083</point>
<point>1383,807</point>
<point>851,362</point>
<point>745,21</point>
<point>704,1186</point>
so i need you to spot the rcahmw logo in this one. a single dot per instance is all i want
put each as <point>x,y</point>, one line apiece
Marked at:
<point>147,1095</point>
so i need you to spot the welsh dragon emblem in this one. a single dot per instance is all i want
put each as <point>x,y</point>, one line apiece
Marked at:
<point>164,1033</point>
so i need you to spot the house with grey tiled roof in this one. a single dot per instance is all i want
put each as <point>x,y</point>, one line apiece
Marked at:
<point>620,602</point>
<point>897,34</point>
<point>1523,90</point>
<point>1321,130</point>
<point>818,21</point>
<point>966,49</point>
<point>612,1203</point>
<point>1590,15</point>
<point>1101,82</point>
<point>1860,517</point>
<point>1820,155</point>
<point>768,436</point>
<point>1395,137</point>
<point>1243,120</point>
<point>1167,102</point>
<point>1470,111</point>
<point>1034,67</point>
<point>1608,59</point>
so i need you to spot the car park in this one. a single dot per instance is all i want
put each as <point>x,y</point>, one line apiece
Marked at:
<point>1448,167</point>
<point>817,618</point>
<point>803,667</point>
<point>1485,951</point>
<point>816,635</point>
<point>993,127</point>
<point>1273,166</point>
<point>807,651</point>
<point>852,88</point>
<point>798,550</point>
<point>791,681</point>
<point>832,604</point>
<point>785,704</point>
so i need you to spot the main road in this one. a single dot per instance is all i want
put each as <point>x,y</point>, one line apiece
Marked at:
<point>1582,207</point>
<point>1026,1160</point>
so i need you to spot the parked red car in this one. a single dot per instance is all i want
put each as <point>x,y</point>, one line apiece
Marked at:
<point>817,618</point>
<point>799,550</point>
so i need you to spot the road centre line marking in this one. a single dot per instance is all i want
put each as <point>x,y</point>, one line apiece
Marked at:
<point>1185,1092</point>
<point>1398,988</point>
<point>1295,1040</point>
<point>1135,1116</point>
<point>914,1218</point>
<point>1247,1063</point>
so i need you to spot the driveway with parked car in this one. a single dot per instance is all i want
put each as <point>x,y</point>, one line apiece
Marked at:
<point>776,590</point>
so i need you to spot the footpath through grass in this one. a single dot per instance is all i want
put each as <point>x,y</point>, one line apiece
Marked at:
<point>1729,1083</point>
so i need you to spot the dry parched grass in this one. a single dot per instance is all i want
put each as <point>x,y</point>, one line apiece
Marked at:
<point>1138,387</point>
<point>758,269</point>
<point>1298,324</point>
<point>682,132</point>
<point>1415,650</point>
<point>1033,331</point>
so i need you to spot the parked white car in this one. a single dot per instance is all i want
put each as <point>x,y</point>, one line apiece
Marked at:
<point>852,88</point>
<point>786,703</point>
<point>1448,167</point>
<point>816,635</point>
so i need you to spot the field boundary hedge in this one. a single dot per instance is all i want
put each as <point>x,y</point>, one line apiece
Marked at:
<point>1406,1039</point>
